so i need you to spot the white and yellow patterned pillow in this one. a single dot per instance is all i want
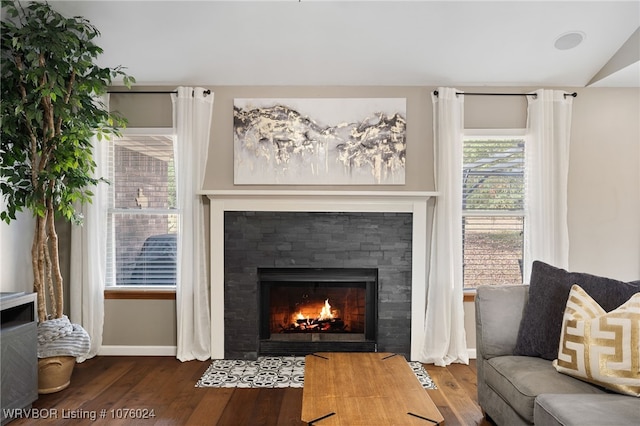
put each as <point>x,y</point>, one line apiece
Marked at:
<point>599,347</point>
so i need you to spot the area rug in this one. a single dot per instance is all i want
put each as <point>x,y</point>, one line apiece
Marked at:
<point>273,372</point>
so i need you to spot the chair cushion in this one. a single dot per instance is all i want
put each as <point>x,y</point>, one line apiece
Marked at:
<point>582,410</point>
<point>539,333</point>
<point>519,380</point>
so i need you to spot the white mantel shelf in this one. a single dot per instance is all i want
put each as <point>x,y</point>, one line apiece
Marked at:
<point>414,202</point>
<point>286,194</point>
<point>318,201</point>
<point>312,193</point>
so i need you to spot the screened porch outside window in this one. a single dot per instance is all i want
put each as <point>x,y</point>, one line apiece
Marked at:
<point>493,210</point>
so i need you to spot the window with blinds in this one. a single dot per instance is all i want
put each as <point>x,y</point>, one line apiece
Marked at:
<point>493,210</point>
<point>142,214</point>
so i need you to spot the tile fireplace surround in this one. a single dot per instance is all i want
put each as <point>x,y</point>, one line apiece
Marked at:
<point>414,202</point>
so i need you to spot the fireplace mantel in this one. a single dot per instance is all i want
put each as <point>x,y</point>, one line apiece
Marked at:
<point>414,202</point>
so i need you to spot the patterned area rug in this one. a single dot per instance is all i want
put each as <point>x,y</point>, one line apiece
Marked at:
<point>273,372</point>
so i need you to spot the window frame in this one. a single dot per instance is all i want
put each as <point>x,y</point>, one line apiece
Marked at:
<point>495,133</point>
<point>153,292</point>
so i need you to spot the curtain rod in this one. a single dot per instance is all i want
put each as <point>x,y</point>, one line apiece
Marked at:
<point>150,92</point>
<point>435,92</point>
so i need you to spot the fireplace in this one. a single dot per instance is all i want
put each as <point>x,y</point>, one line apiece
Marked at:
<point>304,310</point>
<point>327,241</point>
<point>234,274</point>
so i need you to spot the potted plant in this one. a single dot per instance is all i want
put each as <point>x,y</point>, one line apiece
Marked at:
<point>50,114</point>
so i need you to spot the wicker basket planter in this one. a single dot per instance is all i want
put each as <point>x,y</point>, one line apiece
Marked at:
<point>54,373</point>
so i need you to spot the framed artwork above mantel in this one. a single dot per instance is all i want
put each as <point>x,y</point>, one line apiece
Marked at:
<point>319,141</point>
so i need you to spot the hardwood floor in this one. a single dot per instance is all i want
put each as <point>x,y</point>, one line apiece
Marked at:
<point>165,387</point>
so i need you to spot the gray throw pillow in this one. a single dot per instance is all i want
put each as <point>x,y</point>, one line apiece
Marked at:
<point>539,333</point>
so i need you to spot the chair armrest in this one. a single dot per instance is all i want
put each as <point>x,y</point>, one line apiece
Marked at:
<point>499,310</point>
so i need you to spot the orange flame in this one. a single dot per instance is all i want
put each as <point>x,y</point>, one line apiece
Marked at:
<point>326,311</point>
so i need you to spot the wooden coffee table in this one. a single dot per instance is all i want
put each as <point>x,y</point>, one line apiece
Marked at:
<point>356,388</point>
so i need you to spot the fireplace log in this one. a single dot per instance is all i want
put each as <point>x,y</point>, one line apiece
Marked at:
<point>315,326</point>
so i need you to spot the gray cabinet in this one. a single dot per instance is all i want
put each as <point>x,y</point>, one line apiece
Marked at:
<point>19,352</point>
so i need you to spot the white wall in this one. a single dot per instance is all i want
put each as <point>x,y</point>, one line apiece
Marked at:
<point>15,253</point>
<point>604,183</point>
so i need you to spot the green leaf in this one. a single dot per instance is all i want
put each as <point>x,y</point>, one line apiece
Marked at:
<point>29,32</point>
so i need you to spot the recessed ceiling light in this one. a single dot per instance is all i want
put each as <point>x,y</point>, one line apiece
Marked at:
<point>569,40</point>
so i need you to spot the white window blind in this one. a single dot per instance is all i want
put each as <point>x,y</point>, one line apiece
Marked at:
<point>493,210</point>
<point>143,219</point>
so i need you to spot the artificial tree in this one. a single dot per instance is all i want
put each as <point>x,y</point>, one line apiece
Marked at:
<point>51,112</point>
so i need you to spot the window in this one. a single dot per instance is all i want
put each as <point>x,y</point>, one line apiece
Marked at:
<point>142,215</point>
<point>493,208</point>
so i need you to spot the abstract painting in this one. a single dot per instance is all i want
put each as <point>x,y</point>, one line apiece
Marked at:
<point>321,141</point>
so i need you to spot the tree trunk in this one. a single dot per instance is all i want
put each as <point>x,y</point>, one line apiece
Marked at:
<point>37,264</point>
<point>48,280</point>
<point>57,285</point>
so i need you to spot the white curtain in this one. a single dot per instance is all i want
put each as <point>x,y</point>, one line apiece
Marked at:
<point>548,137</point>
<point>444,335</point>
<point>89,257</point>
<point>192,109</point>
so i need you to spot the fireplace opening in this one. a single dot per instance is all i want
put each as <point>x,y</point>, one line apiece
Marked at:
<point>317,308</point>
<point>304,310</point>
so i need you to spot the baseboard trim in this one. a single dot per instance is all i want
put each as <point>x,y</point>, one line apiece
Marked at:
<point>117,350</point>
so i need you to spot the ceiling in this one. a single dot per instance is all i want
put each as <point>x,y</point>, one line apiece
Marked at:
<point>316,42</point>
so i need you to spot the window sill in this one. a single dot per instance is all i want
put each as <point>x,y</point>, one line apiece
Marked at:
<point>155,294</point>
<point>469,296</point>
<point>140,294</point>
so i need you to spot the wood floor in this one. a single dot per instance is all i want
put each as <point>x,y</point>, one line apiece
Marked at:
<point>115,387</point>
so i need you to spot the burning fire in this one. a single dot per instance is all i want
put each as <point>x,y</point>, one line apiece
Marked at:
<point>326,321</point>
<point>325,313</point>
